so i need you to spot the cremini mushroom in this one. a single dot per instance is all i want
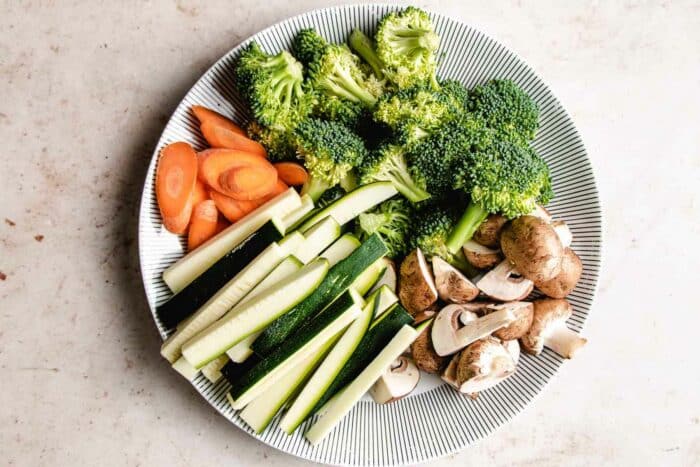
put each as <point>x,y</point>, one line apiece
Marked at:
<point>397,381</point>
<point>417,289</point>
<point>563,232</point>
<point>533,247</point>
<point>452,286</point>
<point>480,256</point>
<point>489,232</point>
<point>480,366</point>
<point>513,348</point>
<point>388,277</point>
<point>563,283</point>
<point>549,329</point>
<point>424,354</point>
<point>503,283</point>
<point>523,312</point>
<point>542,213</point>
<point>455,327</point>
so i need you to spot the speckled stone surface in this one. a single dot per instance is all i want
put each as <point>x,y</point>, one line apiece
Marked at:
<point>85,90</point>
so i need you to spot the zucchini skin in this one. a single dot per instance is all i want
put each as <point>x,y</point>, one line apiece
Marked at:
<point>189,299</point>
<point>374,340</point>
<point>337,281</point>
<point>232,371</point>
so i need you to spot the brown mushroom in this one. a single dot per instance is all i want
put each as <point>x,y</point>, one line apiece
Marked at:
<point>503,283</point>
<point>523,312</point>
<point>397,381</point>
<point>563,232</point>
<point>417,289</point>
<point>455,327</point>
<point>542,213</point>
<point>489,232</point>
<point>480,366</point>
<point>533,247</point>
<point>549,329</point>
<point>481,257</point>
<point>451,284</point>
<point>424,354</point>
<point>563,283</point>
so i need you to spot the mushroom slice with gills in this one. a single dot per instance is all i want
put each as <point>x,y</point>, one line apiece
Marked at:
<point>417,289</point>
<point>563,283</point>
<point>542,213</point>
<point>455,327</point>
<point>533,247</point>
<point>563,232</point>
<point>480,256</point>
<point>452,286</point>
<point>482,365</point>
<point>396,382</point>
<point>504,283</point>
<point>489,232</point>
<point>523,311</point>
<point>424,354</point>
<point>549,329</point>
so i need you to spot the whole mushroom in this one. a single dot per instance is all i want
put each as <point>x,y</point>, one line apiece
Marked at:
<point>563,283</point>
<point>533,247</point>
<point>417,289</point>
<point>396,382</point>
<point>451,284</point>
<point>549,329</point>
<point>488,233</point>
<point>480,366</point>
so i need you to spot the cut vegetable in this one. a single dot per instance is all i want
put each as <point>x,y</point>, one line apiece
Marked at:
<point>291,219</point>
<point>341,249</point>
<point>226,297</point>
<point>249,183</point>
<point>344,402</point>
<point>385,297</point>
<point>218,171</point>
<point>327,371</point>
<point>317,238</point>
<point>205,115</point>
<point>351,205</point>
<point>234,210</point>
<point>298,347</point>
<point>200,193</point>
<point>219,137</point>
<point>254,315</point>
<point>292,173</point>
<point>339,279</point>
<point>212,370</point>
<point>202,224</point>
<point>188,268</point>
<point>185,369</point>
<point>370,276</point>
<point>175,180</point>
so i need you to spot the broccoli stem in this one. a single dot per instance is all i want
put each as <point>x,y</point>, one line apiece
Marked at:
<point>465,228</point>
<point>408,40</point>
<point>344,85</point>
<point>314,187</point>
<point>362,44</point>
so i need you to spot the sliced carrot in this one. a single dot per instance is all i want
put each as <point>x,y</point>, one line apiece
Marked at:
<point>247,183</point>
<point>207,115</point>
<point>234,209</point>
<point>202,224</point>
<point>291,173</point>
<point>222,223</point>
<point>175,181</point>
<point>200,193</point>
<point>217,163</point>
<point>220,137</point>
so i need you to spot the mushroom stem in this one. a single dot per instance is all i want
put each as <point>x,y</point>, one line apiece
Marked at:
<point>484,326</point>
<point>564,341</point>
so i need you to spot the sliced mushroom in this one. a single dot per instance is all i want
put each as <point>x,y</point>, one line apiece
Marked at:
<point>396,382</point>
<point>417,289</point>
<point>449,374</point>
<point>452,286</point>
<point>503,283</point>
<point>523,312</point>
<point>489,232</point>
<point>455,327</point>
<point>542,213</point>
<point>481,257</point>
<point>533,247</point>
<point>388,277</point>
<point>563,232</point>
<point>563,283</point>
<point>480,366</point>
<point>549,329</point>
<point>424,354</point>
<point>425,315</point>
<point>513,348</point>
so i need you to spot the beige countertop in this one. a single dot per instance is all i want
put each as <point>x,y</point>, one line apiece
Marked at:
<point>85,90</point>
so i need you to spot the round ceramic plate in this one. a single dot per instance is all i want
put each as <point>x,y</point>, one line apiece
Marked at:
<point>434,420</point>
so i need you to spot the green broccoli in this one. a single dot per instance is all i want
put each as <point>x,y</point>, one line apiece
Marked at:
<point>506,108</point>
<point>388,163</point>
<point>308,45</point>
<point>330,150</point>
<point>364,47</point>
<point>391,220</point>
<point>280,144</point>
<point>407,45</point>
<point>273,86</point>
<point>507,178</point>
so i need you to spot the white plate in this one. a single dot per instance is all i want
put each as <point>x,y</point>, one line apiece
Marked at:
<point>436,421</point>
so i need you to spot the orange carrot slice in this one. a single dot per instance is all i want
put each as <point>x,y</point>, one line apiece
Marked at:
<point>216,163</point>
<point>220,137</point>
<point>202,224</point>
<point>222,223</point>
<point>175,180</point>
<point>234,209</point>
<point>207,115</point>
<point>199,193</point>
<point>250,182</point>
<point>291,173</point>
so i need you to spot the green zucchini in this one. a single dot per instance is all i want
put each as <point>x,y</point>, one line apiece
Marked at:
<point>254,315</point>
<point>212,370</point>
<point>306,341</point>
<point>341,405</point>
<point>386,299</point>
<point>341,249</point>
<point>365,281</point>
<point>192,265</point>
<point>317,238</point>
<point>352,204</point>
<point>185,369</point>
<point>291,219</point>
<point>338,280</point>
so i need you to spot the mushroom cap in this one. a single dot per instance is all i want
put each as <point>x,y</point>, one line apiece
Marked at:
<point>489,232</point>
<point>451,284</point>
<point>480,256</point>
<point>524,313</point>
<point>503,283</point>
<point>541,212</point>
<point>563,232</point>
<point>397,381</point>
<point>513,348</point>
<point>425,356</point>
<point>548,313</point>
<point>533,247</point>
<point>483,364</point>
<point>563,283</point>
<point>417,289</point>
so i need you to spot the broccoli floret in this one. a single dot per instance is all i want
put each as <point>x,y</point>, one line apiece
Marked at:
<point>364,47</point>
<point>507,178</point>
<point>273,86</point>
<point>430,228</point>
<point>506,108</point>
<point>330,150</point>
<point>407,45</point>
<point>391,220</point>
<point>280,144</point>
<point>340,110</point>
<point>388,163</point>
<point>456,94</point>
<point>308,45</point>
